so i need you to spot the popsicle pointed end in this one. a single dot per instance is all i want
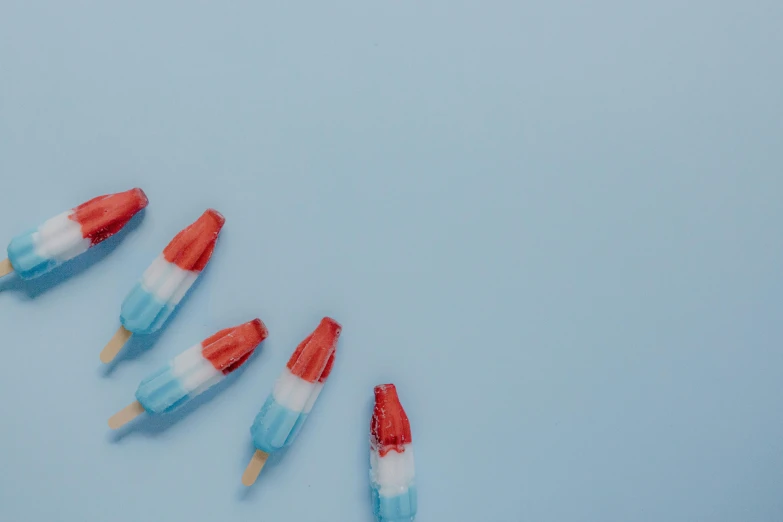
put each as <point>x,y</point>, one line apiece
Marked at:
<point>254,468</point>
<point>141,198</point>
<point>386,393</point>
<point>216,216</point>
<point>330,328</point>
<point>260,328</point>
<point>114,346</point>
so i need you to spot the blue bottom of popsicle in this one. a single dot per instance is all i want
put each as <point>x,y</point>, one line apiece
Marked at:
<point>275,426</point>
<point>399,508</point>
<point>161,392</point>
<point>142,313</point>
<point>27,264</point>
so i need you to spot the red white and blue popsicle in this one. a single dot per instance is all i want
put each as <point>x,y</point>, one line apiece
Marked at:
<point>163,285</point>
<point>71,233</point>
<point>392,474</point>
<point>295,392</point>
<point>193,371</point>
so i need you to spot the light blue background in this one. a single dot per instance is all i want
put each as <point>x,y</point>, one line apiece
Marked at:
<point>556,226</point>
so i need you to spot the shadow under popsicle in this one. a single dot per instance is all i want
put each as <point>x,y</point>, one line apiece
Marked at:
<point>154,425</point>
<point>71,269</point>
<point>140,344</point>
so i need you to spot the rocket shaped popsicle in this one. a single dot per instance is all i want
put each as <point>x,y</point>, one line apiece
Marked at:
<point>71,233</point>
<point>166,281</point>
<point>391,459</point>
<point>293,396</point>
<point>193,371</point>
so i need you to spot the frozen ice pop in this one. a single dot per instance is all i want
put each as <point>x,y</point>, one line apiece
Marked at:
<point>163,285</point>
<point>295,392</point>
<point>193,371</point>
<point>71,233</point>
<point>392,474</point>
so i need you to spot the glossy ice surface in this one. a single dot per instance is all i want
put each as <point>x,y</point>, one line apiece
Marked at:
<point>73,232</point>
<point>199,367</point>
<point>296,390</point>
<point>392,471</point>
<point>163,285</point>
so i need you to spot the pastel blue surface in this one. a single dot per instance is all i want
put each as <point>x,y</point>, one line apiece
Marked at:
<point>142,313</point>
<point>27,264</point>
<point>276,426</point>
<point>161,392</point>
<point>555,226</point>
<point>399,508</point>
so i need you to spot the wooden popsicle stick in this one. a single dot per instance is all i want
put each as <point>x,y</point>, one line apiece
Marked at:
<point>114,346</point>
<point>6,267</point>
<point>254,468</point>
<point>125,415</point>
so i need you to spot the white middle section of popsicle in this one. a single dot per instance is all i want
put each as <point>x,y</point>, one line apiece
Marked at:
<point>60,238</point>
<point>166,281</point>
<point>295,393</point>
<point>394,472</point>
<point>194,373</point>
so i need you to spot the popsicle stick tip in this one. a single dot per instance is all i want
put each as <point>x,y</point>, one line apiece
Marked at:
<point>254,468</point>
<point>6,267</point>
<point>125,415</point>
<point>114,346</point>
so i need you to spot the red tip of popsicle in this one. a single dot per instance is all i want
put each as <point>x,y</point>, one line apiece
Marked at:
<point>389,428</point>
<point>313,358</point>
<point>193,246</point>
<point>104,216</point>
<point>327,369</point>
<point>228,349</point>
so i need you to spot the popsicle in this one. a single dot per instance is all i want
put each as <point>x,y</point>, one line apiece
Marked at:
<point>392,474</point>
<point>295,392</point>
<point>163,285</point>
<point>65,236</point>
<point>193,371</point>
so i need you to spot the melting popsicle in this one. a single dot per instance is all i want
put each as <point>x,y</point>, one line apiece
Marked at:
<point>193,371</point>
<point>71,233</point>
<point>163,285</point>
<point>295,392</point>
<point>392,474</point>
